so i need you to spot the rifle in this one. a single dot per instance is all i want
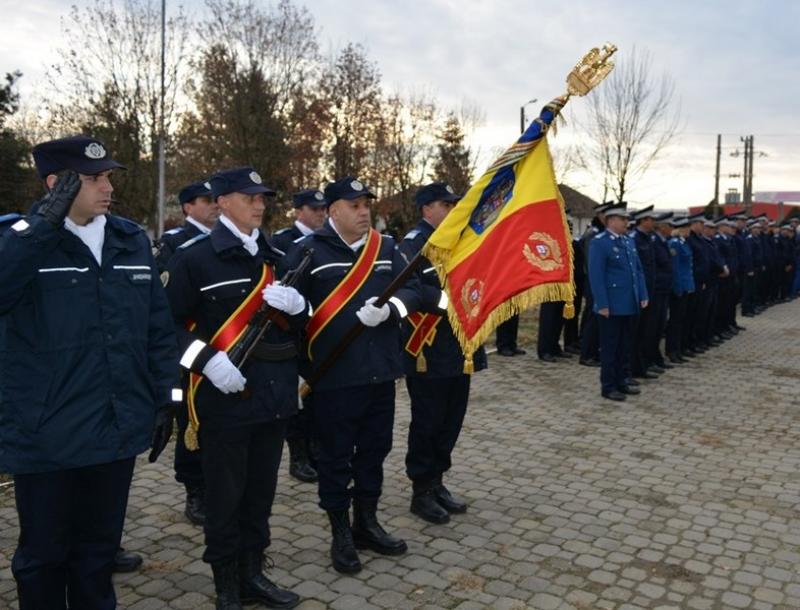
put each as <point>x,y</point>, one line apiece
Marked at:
<point>357,327</point>
<point>266,316</point>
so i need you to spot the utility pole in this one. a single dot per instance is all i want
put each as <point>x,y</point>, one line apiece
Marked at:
<point>716,174</point>
<point>745,173</point>
<point>161,135</point>
<point>750,177</point>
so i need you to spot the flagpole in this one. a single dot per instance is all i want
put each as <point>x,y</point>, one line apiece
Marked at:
<point>357,328</point>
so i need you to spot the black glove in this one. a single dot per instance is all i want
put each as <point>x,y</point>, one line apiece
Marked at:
<point>55,206</point>
<point>162,431</point>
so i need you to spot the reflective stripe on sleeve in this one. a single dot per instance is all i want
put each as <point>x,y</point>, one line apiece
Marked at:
<point>191,353</point>
<point>400,306</point>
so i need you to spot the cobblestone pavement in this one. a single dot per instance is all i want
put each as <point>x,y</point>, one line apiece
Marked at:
<point>684,497</point>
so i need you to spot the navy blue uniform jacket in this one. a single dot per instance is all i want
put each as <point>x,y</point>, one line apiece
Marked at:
<point>284,239</point>
<point>615,274</point>
<point>208,279</point>
<point>374,357</point>
<point>172,240</point>
<point>444,357</point>
<point>87,352</point>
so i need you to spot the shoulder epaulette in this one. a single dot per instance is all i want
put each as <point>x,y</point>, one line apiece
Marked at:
<point>194,240</point>
<point>412,234</point>
<point>174,231</point>
<point>126,224</point>
<point>282,231</point>
<point>600,235</point>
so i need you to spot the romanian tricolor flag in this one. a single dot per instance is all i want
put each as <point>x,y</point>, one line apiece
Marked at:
<point>506,245</point>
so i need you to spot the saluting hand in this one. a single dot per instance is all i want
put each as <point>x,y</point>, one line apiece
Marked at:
<point>55,206</point>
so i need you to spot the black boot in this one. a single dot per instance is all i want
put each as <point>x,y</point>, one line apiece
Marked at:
<point>195,510</point>
<point>368,533</point>
<point>226,585</point>
<point>255,587</point>
<point>125,561</point>
<point>343,549</point>
<point>299,465</point>
<point>425,505</point>
<point>451,503</point>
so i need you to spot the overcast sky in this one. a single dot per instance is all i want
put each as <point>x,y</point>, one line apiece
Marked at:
<point>736,65</point>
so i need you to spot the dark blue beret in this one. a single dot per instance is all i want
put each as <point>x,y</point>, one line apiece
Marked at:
<point>194,190</point>
<point>82,154</point>
<point>436,191</point>
<point>346,188</point>
<point>310,197</point>
<point>238,180</point>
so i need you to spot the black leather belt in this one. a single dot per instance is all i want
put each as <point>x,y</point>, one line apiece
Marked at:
<point>274,352</point>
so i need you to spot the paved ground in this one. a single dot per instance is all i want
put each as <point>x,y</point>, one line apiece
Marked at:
<point>685,497</point>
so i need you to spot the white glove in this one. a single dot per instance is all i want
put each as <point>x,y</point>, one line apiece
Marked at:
<point>371,315</point>
<point>223,374</point>
<point>284,298</point>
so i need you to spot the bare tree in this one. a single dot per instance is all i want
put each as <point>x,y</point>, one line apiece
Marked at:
<point>351,86</point>
<point>107,81</point>
<point>633,117</point>
<point>404,153</point>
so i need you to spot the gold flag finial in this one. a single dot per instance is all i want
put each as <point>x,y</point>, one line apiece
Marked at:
<point>591,70</point>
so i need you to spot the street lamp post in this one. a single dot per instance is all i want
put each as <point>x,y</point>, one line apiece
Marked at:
<point>522,114</point>
<point>161,136</point>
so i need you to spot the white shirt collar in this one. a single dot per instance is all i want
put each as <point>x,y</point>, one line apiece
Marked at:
<point>248,241</point>
<point>356,244</point>
<point>93,234</point>
<point>304,229</point>
<point>203,228</point>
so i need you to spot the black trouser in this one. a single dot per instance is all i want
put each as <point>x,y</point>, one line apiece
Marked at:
<point>616,335</point>
<point>676,324</point>
<point>70,525</point>
<point>707,330</point>
<point>727,294</point>
<point>507,334</point>
<point>240,465</point>
<point>762,286</point>
<point>353,429</point>
<point>188,464</point>
<point>639,342</point>
<point>438,407</point>
<point>657,323</point>
<point>699,303</point>
<point>300,425</point>
<point>571,329</point>
<point>748,293</point>
<point>551,319</point>
<point>590,339</point>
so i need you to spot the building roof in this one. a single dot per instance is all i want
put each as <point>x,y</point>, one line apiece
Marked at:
<point>580,205</point>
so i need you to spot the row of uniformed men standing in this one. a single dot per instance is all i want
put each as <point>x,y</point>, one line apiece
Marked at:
<point>84,301</point>
<point>678,278</point>
<point>351,407</point>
